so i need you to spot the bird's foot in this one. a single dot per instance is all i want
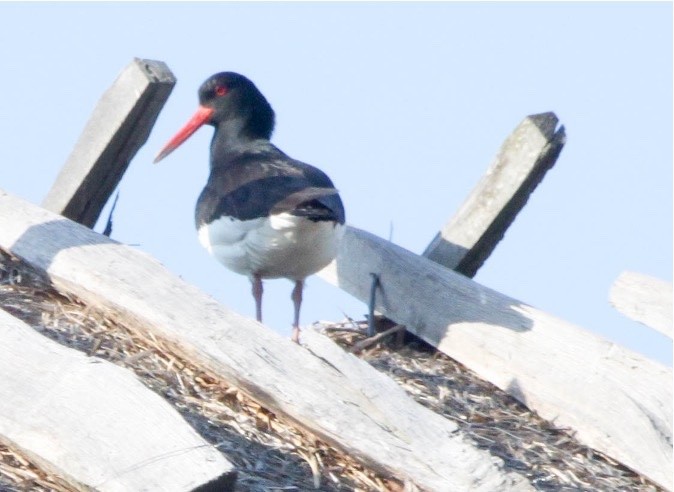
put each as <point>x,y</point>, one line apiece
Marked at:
<point>295,337</point>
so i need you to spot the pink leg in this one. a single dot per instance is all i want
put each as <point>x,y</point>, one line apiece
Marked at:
<point>257,294</point>
<point>297,302</point>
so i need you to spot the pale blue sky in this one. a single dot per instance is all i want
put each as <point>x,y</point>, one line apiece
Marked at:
<point>404,105</point>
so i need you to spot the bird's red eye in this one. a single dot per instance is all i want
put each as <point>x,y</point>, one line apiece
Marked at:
<point>220,90</point>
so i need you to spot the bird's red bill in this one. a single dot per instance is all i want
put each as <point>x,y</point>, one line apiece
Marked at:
<point>202,116</point>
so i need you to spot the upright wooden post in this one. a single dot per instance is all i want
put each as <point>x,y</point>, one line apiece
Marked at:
<point>118,127</point>
<point>468,239</point>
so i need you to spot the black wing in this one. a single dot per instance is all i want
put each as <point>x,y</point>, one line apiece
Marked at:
<point>262,183</point>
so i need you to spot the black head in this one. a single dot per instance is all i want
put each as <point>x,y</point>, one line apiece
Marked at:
<point>234,97</point>
<point>231,103</point>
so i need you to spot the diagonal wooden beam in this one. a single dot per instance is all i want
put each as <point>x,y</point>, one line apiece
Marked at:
<point>94,423</point>
<point>615,400</point>
<point>371,420</point>
<point>470,236</point>
<point>119,125</point>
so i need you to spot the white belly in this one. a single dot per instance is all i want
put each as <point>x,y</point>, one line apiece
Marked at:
<point>282,245</point>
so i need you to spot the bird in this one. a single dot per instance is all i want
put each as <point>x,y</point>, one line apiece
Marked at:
<point>262,213</point>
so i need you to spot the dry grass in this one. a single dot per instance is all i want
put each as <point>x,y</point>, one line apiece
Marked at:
<point>271,454</point>
<point>549,457</point>
<point>268,453</point>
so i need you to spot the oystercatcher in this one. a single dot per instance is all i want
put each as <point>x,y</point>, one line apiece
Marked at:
<point>262,213</point>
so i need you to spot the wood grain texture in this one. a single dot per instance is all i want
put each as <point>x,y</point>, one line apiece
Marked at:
<point>645,299</point>
<point>93,423</point>
<point>615,400</point>
<point>470,236</point>
<point>285,377</point>
<point>119,125</point>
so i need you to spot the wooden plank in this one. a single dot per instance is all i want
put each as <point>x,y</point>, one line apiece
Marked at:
<point>615,400</point>
<point>278,373</point>
<point>389,402</point>
<point>93,423</point>
<point>470,236</point>
<point>645,299</point>
<point>117,128</point>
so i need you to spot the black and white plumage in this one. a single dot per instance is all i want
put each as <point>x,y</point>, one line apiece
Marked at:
<point>261,213</point>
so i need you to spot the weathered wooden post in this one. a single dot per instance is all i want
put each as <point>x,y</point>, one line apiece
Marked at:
<point>471,235</point>
<point>117,128</point>
<point>615,400</point>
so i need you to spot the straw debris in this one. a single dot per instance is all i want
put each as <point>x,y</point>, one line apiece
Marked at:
<point>548,456</point>
<point>271,454</point>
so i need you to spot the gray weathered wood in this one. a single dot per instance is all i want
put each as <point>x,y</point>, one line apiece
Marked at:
<point>615,400</point>
<point>117,128</point>
<point>390,403</point>
<point>280,374</point>
<point>470,236</point>
<point>645,299</point>
<point>93,423</point>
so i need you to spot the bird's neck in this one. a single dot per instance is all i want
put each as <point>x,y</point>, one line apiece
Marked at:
<point>231,139</point>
